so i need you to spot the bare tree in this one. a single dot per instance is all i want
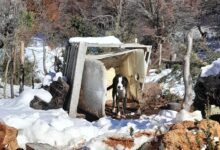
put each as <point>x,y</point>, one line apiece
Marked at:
<point>9,15</point>
<point>44,58</point>
<point>12,71</point>
<point>33,69</point>
<point>21,77</point>
<point>186,75</point>
<point>160,54</point>
<point>6,76</point>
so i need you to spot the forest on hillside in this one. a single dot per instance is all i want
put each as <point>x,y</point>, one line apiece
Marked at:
<point>152,22</point>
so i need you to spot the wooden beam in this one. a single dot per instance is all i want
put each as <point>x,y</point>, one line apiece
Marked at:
<point>77,78</point>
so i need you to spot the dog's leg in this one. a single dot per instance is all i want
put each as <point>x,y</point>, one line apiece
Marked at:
<point>117,105</point>
<point>113,104</point>
<point>125,104</point>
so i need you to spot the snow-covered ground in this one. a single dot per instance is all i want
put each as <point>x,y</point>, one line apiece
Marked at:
<point>56,128</point>
<point>171,84</point>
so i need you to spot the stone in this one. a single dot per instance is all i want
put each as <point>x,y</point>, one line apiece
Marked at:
<point>207,93</point>
<point>191,135</point>
<point>39,146</point>
<point>58,90</point>
<point>8,137</point>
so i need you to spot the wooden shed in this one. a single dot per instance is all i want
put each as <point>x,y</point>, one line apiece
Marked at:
<point>87,75</point>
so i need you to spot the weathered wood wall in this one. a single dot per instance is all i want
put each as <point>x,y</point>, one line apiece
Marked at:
<point>73,69</point>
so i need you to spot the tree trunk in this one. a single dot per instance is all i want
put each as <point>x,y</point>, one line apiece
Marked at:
<point>33,69</point>
<point>118,18</point>
<point>44,59</point>
<point>187,77</point>
<point>12,72</point>
<point>6,76</point>
<point>21,76</point>
<point>160,54</point>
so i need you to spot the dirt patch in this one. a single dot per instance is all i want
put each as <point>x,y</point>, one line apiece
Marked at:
<point>126,142</point>
<point>144,133</point>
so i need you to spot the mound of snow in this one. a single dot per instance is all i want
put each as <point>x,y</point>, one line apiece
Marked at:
<point>155,77</point>
<point>52,76</point>
<point>184,115</point>
<point>212,69</point>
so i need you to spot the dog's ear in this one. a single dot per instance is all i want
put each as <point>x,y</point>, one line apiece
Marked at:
<point>125,81</point>
<point>115,80</point>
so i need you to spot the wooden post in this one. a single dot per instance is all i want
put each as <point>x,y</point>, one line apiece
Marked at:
<point>21,77</point>
<point>160,54</point>
<point>77,78</point>
<point>44,58</point>
<point>186,75</point>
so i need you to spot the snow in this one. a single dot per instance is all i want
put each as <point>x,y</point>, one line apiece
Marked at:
<point>56,128</point>
<point>37,47</point>
<point>155,77</point>
<point>184,115</point>
<point>96,40</point>
<point>170,85</point>
<point>212,69</point>
<point>52,76</point>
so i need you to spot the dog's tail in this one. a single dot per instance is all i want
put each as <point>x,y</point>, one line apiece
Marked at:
<point>110,87</point>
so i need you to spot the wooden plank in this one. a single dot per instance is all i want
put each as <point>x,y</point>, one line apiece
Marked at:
<point>39,146</point>
<point>77,79</point>
<point>148,53</point>
<point>113,54</point>
<point>125,46</point>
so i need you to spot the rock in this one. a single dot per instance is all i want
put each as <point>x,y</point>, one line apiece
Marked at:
<point>1,43</point>
<point>191,135</point>
<point>184,115</point>
<point>39,146</point>
<point>207,93</point>
<point>58,90</point>
<point>174,106</point>
<point>38,103</point>
<point>8,137</point>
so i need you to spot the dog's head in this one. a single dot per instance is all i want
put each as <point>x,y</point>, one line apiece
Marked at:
<point>120,82</point>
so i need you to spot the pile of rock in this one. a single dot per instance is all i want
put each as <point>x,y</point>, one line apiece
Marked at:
<point>8,137</point>
<point>207,93</point>
<point>192,135</point>
<point>58,90</point>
